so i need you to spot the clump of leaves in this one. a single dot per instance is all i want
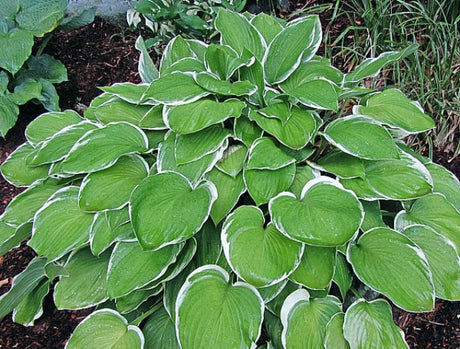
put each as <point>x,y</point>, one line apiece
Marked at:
<point>23,76</point>
<point>232,202</point>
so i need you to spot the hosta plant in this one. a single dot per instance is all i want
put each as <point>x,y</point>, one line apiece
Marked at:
<point>251,195</point>
<point>25,77</point>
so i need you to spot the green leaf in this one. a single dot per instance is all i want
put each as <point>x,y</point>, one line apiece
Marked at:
<point>190,147</point>
<point>176,50</point>
<point>23,284</point>
<point>399,179</point>
<point>174,89</point>
<point>31,307</point>
<point>341,164</point>
<point>285,52</point>
<point>232,161</point>
<point>9,8</point>
<point>193,170</point>
<point>254,74</point>
<point>101,148</point>
<point>442,258</point>
<point>303,174</point>
<point>246,131</point>
<point>318,94</point>
<point>23,206</point>
<point>86,283</point>
<point>263,185</point>
<point>137,299</point>
<point>58,146</point>
<point>370,325</point>
<point>159,331</point>
<point>362,138</point>
<point>25,91</point>
<point>48,68</point>
<point>238,33</point>
<point>445,182</point>
<point>160,212</point>
<point>371,67</point>
<point>185,65</point>
<point>391,264</point>
<point>391,107</point>
<point>229,190</point>
<point>372,215</point>
<point>47,124</point>
<point>304,320</point>
<point>230,315</point>
<point>16,171</point>
<point>60,226</point>
<point>264,154</point>
<point>149,266</point>
<point>222,61</point>
<point>16,49</point>
<point>267,25</point>
<point>296,132</point>
<point>153,119</point>
<point>316,267</point>
<point>9,112</point>
<point>118,109</point>
<point>49,97</point>
<point>40,16</point>
<point>209,245</point>
<point>275,305</point>
<point>334,338</point>
<point>147,70</point>
<point>112,331</point>
<point>127,91</point>
<point>436,212</point>
<point>112,187</point>
<point>225,88</point>
<point>324,215</point>
<point>274,259</point>
<point>343,276</point>
<point>11,237</point>
<point>198,115</point>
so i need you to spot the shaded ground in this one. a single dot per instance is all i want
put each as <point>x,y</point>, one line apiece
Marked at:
<point>101,54</point>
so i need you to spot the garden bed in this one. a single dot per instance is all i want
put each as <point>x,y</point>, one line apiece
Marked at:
<point>102,54</point>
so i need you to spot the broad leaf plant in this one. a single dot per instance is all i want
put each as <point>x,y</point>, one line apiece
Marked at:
<point>250,195</point>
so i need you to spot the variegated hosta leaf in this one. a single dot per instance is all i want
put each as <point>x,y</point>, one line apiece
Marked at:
<point>223,87</point>
<point>86,282</point>
<point>159,331</point>
<point>112,187</point>
<point>246,131</point>
<point>316,267</point>
<point>334,338</point>
<point>442,258</point>
<point>46,125</point>
<point>196,116</point>
<point>370,325</point>
<point>362,138</point>
<point>150,265</point>
<point>296,132</point>
<point>99,149</point>
<point>318,94</point>
<point>267,25</point>
<point>106,328</point>
<point>303,174</point>
<point>391,107</point>
<point>214,313</point>
<point>161,213</point>
<point>445,182</point>
<point>176,50</point>
<point>31,307</point>
<point>324,215</point>
<point>275,257</point>
<point>392,264</point>
<point>60,226</point>
<point>222,61</point>
<point>436,212</point>
<point>304,319</point>
<point>127,91</point>
<point>232,161</point>
<point>286,52</point>
<point>341,164</point>
<point>264,154</point>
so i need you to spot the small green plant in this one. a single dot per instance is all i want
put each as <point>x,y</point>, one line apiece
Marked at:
<point>23,76</point>
<point>252,195</point>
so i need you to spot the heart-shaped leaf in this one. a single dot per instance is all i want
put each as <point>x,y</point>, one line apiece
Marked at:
<point>197,116</point>
<point>16,48</point>
<point>318,94</point>
<point>160,213</point>
<point>295,132</point>
<point>324,215</point>
<point>370,325</point>
<point>392,264</point>
<point>352,135</point>
<point>391,107</point>
<point>99,149</point>
<point>230,315</point>
<point>284,54</point>
<point>442,258</point>
<point>316,267</point>
<point>298,333</point>
<point>112,331</point>
<point>150,265</point>
<point>264,154</point>
<point>86,283</point>
<point>112,187</point>
<point>274,259</point>
<point>436,212</point>
<point>60,226</point>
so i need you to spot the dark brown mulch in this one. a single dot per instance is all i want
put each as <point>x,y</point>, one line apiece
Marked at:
<point>101,54</point>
